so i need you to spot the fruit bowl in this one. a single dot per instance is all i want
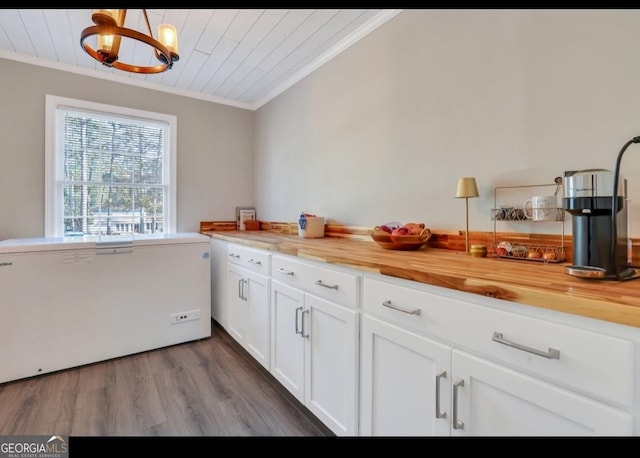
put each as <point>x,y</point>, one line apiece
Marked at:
<point>400,242</point>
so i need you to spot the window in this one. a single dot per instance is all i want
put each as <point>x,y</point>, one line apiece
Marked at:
<point>109,171</point>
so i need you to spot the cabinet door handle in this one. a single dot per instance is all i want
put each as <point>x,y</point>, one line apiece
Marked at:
<point>253,261</point>
<point>308,312</point>
<point>439,413</point>
<point>298,331</point>
<point>320,283</point>
<point>552,353</point>
<point>457,423</point>
<point>233,255</point>
<point>284,271</point>
<point>240,288</point>
<point>244,282</point>
<point>401,309</point>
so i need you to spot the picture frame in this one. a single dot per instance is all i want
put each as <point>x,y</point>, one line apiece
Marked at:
<point>243,214</point>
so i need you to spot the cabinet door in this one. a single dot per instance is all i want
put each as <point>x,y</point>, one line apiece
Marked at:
<point>287,345</point>
<point>330,333</point>
<point>238,307</point>
<point>496,401</point>
<point>219,296</point>
<point>256,294</point>
<point>405,384</point>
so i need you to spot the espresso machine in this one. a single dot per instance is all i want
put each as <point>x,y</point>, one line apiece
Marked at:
<point>600,242</point>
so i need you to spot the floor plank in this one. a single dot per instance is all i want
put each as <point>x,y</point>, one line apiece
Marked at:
<point>206,388</point>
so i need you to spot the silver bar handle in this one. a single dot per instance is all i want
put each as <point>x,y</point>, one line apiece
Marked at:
<point>415,311</point>
<point>102,251</point>
<point>320,283</point>
<point>285,271</point>
<point>308,312</point>
<point>439,413</point>
<point>114,243</point>
<point>298,331</point>
<point>241,284</point>
<point>457,423</point>
<point>552,353</point>
<point>233,255</point>
<point>253,261</point>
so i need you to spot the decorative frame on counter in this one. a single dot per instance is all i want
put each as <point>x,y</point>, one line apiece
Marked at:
<point>243,214</point>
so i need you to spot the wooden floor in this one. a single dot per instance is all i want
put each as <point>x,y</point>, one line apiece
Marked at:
<point>211,387</point>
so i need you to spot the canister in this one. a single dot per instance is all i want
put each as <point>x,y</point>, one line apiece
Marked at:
<point>479,251</point>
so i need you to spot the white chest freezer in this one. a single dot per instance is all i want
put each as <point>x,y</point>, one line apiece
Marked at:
<point>73,301</point>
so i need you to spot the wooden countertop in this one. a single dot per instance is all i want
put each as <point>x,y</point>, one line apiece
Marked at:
<point>527,282</point>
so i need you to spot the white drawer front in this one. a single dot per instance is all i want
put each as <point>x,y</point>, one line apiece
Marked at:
<point>331,283</point>
<point>595,363</point>
<point>253,259</point>
<point>288,271</point>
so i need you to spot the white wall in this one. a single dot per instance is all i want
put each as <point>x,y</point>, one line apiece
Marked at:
<point>383,131</point>
<point>512,97</point>
<point>214,157</point>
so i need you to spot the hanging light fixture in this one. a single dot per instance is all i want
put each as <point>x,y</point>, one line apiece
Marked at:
<point>109,28</point>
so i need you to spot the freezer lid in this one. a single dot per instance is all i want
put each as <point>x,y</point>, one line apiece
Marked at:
<point>19,245</point>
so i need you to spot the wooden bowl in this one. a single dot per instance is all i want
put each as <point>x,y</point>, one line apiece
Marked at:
<point>400,242</point>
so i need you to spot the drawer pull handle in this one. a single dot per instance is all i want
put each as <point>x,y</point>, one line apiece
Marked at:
<point>320,283</point>
<point>284,271</point>
<point>233,255</point>
<point>439,413</point>
<point>552,353</point>
<point>457,423</point>
<point>401,309</point>
<point>253,261</point>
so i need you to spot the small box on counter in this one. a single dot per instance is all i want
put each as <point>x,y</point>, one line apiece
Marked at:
<point>310,226</point>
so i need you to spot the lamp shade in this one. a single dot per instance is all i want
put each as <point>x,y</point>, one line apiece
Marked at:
<point>467,187</point>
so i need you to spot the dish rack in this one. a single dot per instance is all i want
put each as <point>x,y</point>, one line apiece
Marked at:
<point>524,249</point>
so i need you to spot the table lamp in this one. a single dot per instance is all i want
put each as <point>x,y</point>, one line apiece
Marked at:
<point>467,188</point>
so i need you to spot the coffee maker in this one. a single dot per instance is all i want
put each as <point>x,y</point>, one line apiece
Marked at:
<point>599,237</point>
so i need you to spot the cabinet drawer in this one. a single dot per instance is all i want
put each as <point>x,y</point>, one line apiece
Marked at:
<point>332,283</point>
<point>412,308</point>
<point>250,258</point>
<point>597,364</point>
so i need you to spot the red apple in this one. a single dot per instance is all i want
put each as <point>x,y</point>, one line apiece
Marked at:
<point>400,231</point>
<point>501,251</point>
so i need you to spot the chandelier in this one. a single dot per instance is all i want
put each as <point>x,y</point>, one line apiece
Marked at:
<point>109,28</point>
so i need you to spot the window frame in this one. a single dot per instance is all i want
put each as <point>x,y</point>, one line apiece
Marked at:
<point>54,157</point>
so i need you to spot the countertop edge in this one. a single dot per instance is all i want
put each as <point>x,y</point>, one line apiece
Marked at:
<point>571,302</point>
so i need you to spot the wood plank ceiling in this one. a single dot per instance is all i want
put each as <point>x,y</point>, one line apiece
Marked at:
<point>238,57</point>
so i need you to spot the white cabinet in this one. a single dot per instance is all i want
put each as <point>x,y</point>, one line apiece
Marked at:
<point>287,346</point>
<point>314,339</point>
<point>490,399</point>
<point>370,354</point>
<point>405,383</point>
<point>219,296</point>
<point>491,372</point>
<point>248,317</point>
